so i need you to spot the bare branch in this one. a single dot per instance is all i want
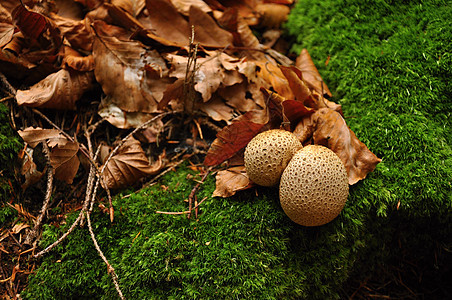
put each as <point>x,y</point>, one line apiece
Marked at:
<point>32,234</point>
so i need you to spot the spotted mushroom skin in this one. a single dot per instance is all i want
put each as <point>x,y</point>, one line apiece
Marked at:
<point>267,155</point>
<point>314,186</point>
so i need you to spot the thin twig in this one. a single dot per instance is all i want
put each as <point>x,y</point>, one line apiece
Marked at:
<point>180,212</point>
<point>89,186</point>
<point>193,191</point>
<point>32,234</point>
<point>110,268</point>
<point>143,125</point>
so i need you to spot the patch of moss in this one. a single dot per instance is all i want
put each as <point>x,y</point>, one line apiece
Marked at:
<point>243,247</point>
<point>389,68</point>
<point>10,144</point>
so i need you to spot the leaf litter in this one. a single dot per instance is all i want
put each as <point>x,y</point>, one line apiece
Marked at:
<point>128,89</point>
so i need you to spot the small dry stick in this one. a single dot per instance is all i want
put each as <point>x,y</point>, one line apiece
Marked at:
<point>32,235</point>
<point>110,268</point>
<point>89,186</point>
<point>193,191</point>
<point>180,212</point>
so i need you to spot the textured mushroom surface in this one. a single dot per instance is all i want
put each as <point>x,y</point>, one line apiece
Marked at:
<point>267,155</point>
<point>314,186</point>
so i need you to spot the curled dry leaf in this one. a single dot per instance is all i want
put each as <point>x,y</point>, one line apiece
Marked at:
<point>183,6</point>
<point>65,162</point>
<point>230,181</point>
<point>76,32</point>
<point>272,15</point>
<point>63,156</point>
<point>34,136</point>
<point>310,73</point>
<point>167,23</point>
<point>129,165</point>
<point>59,90</point>
<point>328,128</point>
<point>6,33</point>
<point>74,60</point>
<point>207,31</point>
<point>230,140</point>
<point>123,68</point>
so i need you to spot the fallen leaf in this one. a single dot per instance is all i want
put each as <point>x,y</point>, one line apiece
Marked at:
<point>217,110</point>
<point>119,118</point>
<point>183,6</point>
<point>74,60</point>
<point>34,136</point>
<point>167,23</point>
<point>76,32</point>
<point>29,170</point>
<point>59,90</point>
<point>129,165</point>
<point>207,32</point>
<point>6,33</point>
<point>230,181</point>
<point>65,162</point>
<point>310,73</point>
<point>32,24</point>
<point>230,140</point>
<point>272,15</point>
<point>330,130</point>
<point>298,86</point>
<point>121,67</point>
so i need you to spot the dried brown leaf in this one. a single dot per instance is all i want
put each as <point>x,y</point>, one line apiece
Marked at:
<point>6,33</point>
<point>123,68</point>
<point>34,136</point>
<point>310,73</point>
<point>272,15</point>
<point>129,165</point>
<point>65,161</point>
<point>230,181</point>
<point>74,60</point>
<point>59,90</point>
<point>76,32</point>
<point>329,129</point>
<point>230,140</point>
<point>183,6</point>
<point>167,23</point>
<point>207,32</point>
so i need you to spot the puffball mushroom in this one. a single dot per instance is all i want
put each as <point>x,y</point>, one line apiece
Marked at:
<point>267,155</point>
<point>314,186</point>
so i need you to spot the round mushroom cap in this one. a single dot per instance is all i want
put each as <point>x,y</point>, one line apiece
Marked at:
<point>267,155</point>
<point>314,186</point>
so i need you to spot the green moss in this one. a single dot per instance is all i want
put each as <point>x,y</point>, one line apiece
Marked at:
<point>389,68</point>
<point>239,248</point>
<point>10,144</point>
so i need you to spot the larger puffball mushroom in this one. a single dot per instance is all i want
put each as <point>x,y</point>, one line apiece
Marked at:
<point>314,186</point>
<point>267,155</point>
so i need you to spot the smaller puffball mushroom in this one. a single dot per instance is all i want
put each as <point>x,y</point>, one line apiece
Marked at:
<point>267,155</point>
<point>314,186</point>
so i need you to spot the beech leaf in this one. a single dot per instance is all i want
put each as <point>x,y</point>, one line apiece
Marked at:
<point>32,24</point>
<point>310,73</point>
<point>230,140</point>
<point>34,136</point>
<point>65,161</point>
<point>129,165</point>
<point>329,129</point>
<point>6,33</point>
<point>207,32</point>
<point>121,67</point>
<point>167,23</point>
<point>59,90</point>
<point>229,181</point>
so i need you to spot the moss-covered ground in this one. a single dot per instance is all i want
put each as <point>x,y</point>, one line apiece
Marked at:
<point>390,67</point>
